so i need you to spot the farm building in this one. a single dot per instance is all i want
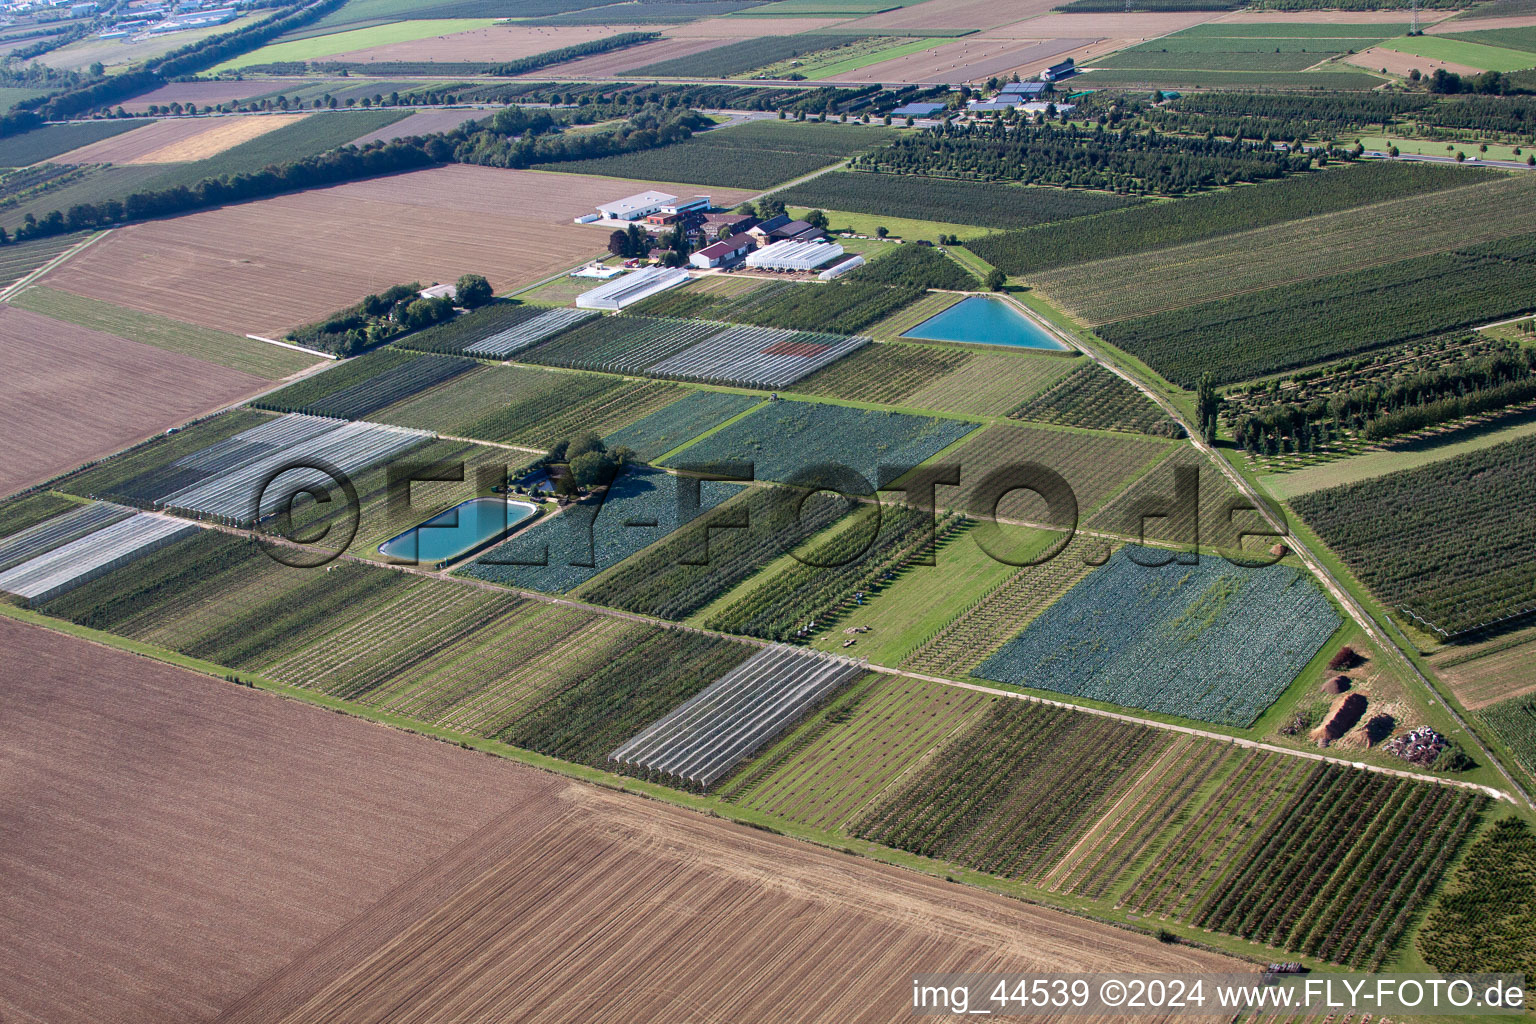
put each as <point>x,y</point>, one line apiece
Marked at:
<point>632,288</point>
<point>1024,88</point>
<point>440,291</point>
<point>715,223</point>
<point>917,110</point>
<point>791,254</point>
<point>764,232</point>
<point>992,106</point>
<point>644,204</point>
<point>721,252</point>
<point>1056,72</point>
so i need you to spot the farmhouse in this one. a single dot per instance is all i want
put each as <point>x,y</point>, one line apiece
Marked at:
<point>1056,72</point>
<point>764,232</point>
<point>792,254</point>
<point>631,288</point>
<point>727,251</point>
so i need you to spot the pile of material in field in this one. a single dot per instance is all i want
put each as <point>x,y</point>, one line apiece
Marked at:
<point>1211,641</point>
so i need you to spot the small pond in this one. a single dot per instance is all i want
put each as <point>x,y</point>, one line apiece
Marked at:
<point>457,531</point>
<point>980,320</point>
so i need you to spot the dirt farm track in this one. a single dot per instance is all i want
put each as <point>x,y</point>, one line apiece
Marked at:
<point>266,266</point>
<point>175,848</point>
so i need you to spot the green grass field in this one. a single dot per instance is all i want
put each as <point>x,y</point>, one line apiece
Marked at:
<point>922,599</point>
<point>1507,38</point>
<point>1459,51</point>
<point>233,351</point>
<point>853,62</point>
<point>317,47</point>
<point>1409,456</point>
<point>905,228</point>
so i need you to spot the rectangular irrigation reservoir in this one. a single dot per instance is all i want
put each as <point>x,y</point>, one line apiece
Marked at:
<point>980,320</point>
<point>457,531</point>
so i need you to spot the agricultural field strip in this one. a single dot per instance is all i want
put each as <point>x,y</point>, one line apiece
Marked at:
<point>51,264</point>
<point>59,530</point>
<point>1123,807</point>
<point>734,716</point>
<point>528,333</point>
<point>232,491</point>
<point>1262,258</point>
<point>53,572</point>
<point>613,613</point>
<point>769,357</point>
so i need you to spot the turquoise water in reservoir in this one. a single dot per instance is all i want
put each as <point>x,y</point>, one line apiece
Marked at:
<point>983,321</point>
<point>457,531</point>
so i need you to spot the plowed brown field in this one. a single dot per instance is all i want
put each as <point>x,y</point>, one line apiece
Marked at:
<point>210,93</point>
<point>603,64</point>
<point>263,267</point>
<point>179,849</point>
<point>73,394</point>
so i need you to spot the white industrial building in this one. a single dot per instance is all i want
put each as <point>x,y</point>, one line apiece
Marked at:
<point>631,288</point>
<point>642,205</point>
<point>635,207</point>
<point>792,255</point>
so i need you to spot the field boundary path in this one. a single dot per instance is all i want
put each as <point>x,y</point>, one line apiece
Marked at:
<point>1363,618</point>
<point>18,286</point>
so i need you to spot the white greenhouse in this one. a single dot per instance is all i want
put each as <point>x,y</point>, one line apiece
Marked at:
<point>792,255</point>
<point>632,288</point>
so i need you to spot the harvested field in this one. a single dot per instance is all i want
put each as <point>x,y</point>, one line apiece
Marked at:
<point>798,933</point>
<point>205,94</point>
<point>179,140</point>
<point>1379,58</point>
<point>982,14</point>
<point>425,122</point>
<point>493,43</point>
<point>1497,676</point>
<point>264,267</point>
<point>733,28</point>
<point>74,394</point>
<point>967,59</point>
<point>137,782</point>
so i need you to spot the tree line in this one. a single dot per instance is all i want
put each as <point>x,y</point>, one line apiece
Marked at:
<point>1097,157</point>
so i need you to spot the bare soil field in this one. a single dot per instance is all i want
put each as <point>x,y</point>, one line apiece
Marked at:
<point>210,93</point>
<point>600,65</point>
<point>72,394</point>
<point>1125,26</point>
<point>168,840</point>
<point>969,59</point>
<point>264,267</point>
<point>493,43</point>
<point>423,122</point>
<point>178,140</point>
<point>982,14</point>
<point>1398,63</point>
<point>1502,675</point>
<point>178,849</point>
